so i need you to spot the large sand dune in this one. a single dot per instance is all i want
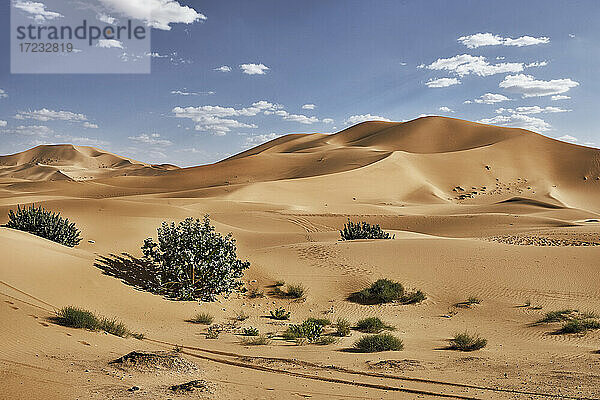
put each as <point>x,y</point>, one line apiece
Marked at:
<point>503,214</point>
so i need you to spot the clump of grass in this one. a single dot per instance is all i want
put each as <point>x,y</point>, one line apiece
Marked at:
<point>241,316</point>
<point>557,316</point>
<point>260,340</point>
<point>202,318</point>
<point>579,326</point>
<point>386,291</point>
<point>342,327</point>
<point>295,291</point>
<point>372,325</point>
<point>467,342</point>
<point>308,329</point>
<point>250,331</point>
<point>319,321</point>
<point>280,314</point>
<point>381,342</point>
<point>75,317</point>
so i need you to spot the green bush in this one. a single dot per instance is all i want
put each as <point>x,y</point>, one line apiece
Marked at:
<point>342,327</point>
<point>579,326</point>
<point>114,327</point>
<point>309,330</point>
<point>194,261</point>
<point>319,321</point>
<point>280,314</point>
<point>295,291</point>
<point>202,318</point>
<point>413,297</point>
<point>467,342</point>
<point>381,342</point>
<point>386,291</point>
<point>250,331</point>
<point>46,224</point>
<point>75,317</point>
<point>372,325</point>
<point>363,230</point>
<point>557,316</point>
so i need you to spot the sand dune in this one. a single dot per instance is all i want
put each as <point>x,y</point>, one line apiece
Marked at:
<point>506,215</point>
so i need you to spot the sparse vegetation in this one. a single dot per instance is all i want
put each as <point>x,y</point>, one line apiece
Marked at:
<point>320,321</point>
<point>202,318</point>
<point>75,317</point>
<point>280,314</point>
<point>213,332</point>
<point>193,261</point>
<point>579,326</point>
<point>380,342</point>
<point>295,291</point>
<point>467,342</point>
<point>255,293</point>
<point>256,340</point>
<point>372,325</point>
<point>386,291</point>
<point>47,224</point>
<point>309,330</point>
<point>342,327</point>
<point>250,331</point>
<point>363,230</point>
<point>473,300</point>
<point>557,316</point>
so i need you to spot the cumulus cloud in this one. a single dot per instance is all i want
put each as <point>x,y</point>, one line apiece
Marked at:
<point>107,19</point>
<point>254,69</point>
<point>3,123</point>
<point>356,119</point>
<point>29,130</point>
<point>309,107</point>
<point>223,68</point>
<point>260,139</point>
<point>3,94</point>
<point>442,82</point>
<point>489,98</point>
<point>152,139</point>
<point>518,121</point>
<point>90,125</point>
<point>560,97</point>
<point>466,64</point>
<point>489,39</point>
<point>109,44</point>
<point>184,92</point>
<point>303,119</point>
<point>446,109</point>
<point>37,11</point>
<point>50,115</point>
<point>158,14</point>
<point>528,86</point>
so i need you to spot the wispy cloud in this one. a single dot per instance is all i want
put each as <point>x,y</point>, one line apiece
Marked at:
<point>223,68</point>
<point>3,94</point>
<point>489,39</point>
<point>109,44</point>
<point>185,92</point>
<point>309,107</point>
<point>153,139</point>
<point>489,98</point>
<point>518,121</point>
<point>45,114</point>
<point>442,82</point>
<point>36,11</point>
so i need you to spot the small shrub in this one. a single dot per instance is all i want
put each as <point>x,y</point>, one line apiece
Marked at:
<point>40,222</point>
<point>202,318</point>
<point>280,314</point>
<point>256,341</point>
<point>413,297</point>
<point>466,342</point>
<point>363,230</point>
<point>342,327</point>
<point>241,316</point>
<point>309,330</point>
<point>579,326</point>
<point>250,331</point>
<point>372,325</point>
<point>382,291</point>
<point>113,326</point>
<point>212,333</point>
<point>295,291</point>
<point>138,336</point>
<point>557,316</point>
<point>75,317</point>
<point>381,342</point>
<point>320,321</point>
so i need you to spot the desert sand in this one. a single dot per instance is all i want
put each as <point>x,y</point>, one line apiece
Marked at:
<point>506,215</point>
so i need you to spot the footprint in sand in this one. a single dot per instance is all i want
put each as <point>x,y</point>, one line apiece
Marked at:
<point>44,324</point>
<point>84,342</point>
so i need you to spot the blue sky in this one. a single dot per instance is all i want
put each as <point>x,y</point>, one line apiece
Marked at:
<point>227,75</point>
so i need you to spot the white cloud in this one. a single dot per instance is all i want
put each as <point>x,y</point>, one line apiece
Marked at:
<point>223,68</point>
<point>213,118</point>
<point>83,141</point>
<point>254,69</point>
<point>309,107</point>
<point>446,109</point>
<point>489,98</point>
<point>50,115</point>
<point>260,139</point>
<point>107,19</point>
<point>489,39</point>
<point>532,110</point>
<point>184,92</point>
<point>158,14</point>
<point>536,64</point>
<point>465,64</point>
<point>152,139</point>
<point>571,35</point>
<point>328,121</point>
<point>36,10</point>
<point>29,130</point>
<point>442,82</point>
<point>528,86</point>
<point>568,138</point>
<point>356,119</point>
<point>560,97</point>
<point>3,94</point>
<point>89,125</point>
<point>403,64</point>
<point>518,121</point>
<point>109,44</point>
<point>3,123</point>
<point>172,57</point>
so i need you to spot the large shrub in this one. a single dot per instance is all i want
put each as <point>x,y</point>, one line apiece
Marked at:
<point>47,224</point>
<point>381,342</point>
<point>194,261</point>
<point>386,291</point>
<point>363,230</point>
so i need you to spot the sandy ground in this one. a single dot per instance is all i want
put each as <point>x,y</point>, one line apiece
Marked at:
<point>519,237</point>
